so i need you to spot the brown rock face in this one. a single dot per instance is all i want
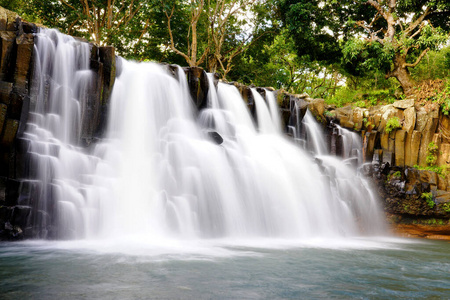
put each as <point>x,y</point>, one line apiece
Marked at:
<point>400,137</point>
<point>427,137</point>
<point>25,43</point>
<point>412,149</point>
<point>410,119</point>
<point>316,106</point>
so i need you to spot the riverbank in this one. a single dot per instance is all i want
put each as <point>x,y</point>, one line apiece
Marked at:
<point>432,232</point>
<point>426,228</point>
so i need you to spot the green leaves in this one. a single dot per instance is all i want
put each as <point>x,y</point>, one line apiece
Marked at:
<point>431,37</point>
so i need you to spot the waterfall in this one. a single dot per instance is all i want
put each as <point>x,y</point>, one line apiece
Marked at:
<point>315,137</point>
<point>158,173</point>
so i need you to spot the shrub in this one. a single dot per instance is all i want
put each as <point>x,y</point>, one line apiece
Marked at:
<point>432,154</point>
<point>429,199</point>
<point>446,207</point>
<point>329,114</point>
<point>441,171</point>
<point>392,124</point>
<point>360,103</point>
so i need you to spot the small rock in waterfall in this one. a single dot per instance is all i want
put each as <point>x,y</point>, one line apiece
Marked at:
<point>216,137</point>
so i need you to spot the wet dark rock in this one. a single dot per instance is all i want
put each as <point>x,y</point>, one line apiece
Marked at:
<point>215,137</point>
<point>297,109</point>
<point>173,70</point>
<point>216,77</point>
<point>262,92</point>
<point>118,66</point>
<point>198,86</point>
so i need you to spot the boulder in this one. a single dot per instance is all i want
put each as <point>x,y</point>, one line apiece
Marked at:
<point>403,104</point>
<point>410,119</point>
<point>428,176</point>
<point>316,106</point>
<point>357,118</point>
<point>388,111</point>
<point>442,197</point>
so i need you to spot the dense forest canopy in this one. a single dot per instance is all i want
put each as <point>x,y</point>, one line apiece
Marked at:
<point>318,47</point>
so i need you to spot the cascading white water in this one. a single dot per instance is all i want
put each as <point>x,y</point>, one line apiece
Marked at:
<point>351,142</point>
<point>56,163</point>
<point>158,174</point>
<point>316,141</point>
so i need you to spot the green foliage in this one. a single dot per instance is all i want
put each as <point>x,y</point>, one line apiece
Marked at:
<point>329,114</point>
<point>392,124</point>
<point>395,175</point>
<point>446,207</point>
<point>364,97</point>
<point>428,197</point>
<point>360,103</point>
<point>338,32</point>
<point>313,29</point>
<point>362,57</point>
<point>441,171</point>
<point>435,64</point>
<point>434,221</point>
<point>432,154</point>
<point>342,96</point>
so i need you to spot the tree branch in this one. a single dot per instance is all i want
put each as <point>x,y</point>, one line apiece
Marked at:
<point>417,22</point>
<point>418,59</point>
<point>172,44</point>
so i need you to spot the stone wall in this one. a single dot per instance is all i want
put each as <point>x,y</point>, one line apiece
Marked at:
<point>16,41</point>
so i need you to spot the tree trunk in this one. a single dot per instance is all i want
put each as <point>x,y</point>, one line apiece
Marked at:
<point>401,73</point>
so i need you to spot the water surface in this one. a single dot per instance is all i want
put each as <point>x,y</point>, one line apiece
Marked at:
<point>382,268</point>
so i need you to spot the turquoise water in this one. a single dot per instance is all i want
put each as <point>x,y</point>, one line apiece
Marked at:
<point>265,269</point>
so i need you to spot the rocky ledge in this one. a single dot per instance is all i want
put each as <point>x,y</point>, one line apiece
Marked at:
<point>406,146</point>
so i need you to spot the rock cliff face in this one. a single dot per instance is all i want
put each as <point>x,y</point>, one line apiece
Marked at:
<point>16,40</point>
<point>17,97</point>
<point>407,147</point>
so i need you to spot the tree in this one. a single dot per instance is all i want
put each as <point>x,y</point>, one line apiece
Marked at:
<point>316,27</point>
<point>124,24</point>
<point>196,9</point>
<point>397,37</point>
<point>361,35</point>
<point>219,30</point>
